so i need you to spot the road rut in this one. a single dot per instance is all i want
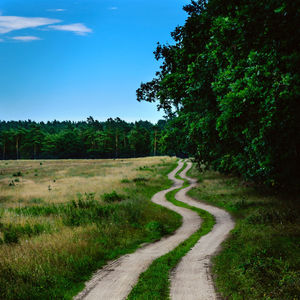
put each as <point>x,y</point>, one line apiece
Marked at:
<point>191,279</point>
<point>116,279</point>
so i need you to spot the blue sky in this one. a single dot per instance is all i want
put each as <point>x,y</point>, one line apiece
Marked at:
<point>69,59</point>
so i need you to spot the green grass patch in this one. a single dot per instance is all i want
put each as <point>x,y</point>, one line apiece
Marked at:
<point>154,282</point>
<point>91,233</point>
<point>261,258</point>
<point>113,197</point>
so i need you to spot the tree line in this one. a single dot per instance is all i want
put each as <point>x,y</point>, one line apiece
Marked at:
<point>113,138</point>
<point>231,84</point>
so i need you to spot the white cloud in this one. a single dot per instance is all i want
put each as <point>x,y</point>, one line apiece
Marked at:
<point>26,38</point>
<point>77,28</point>
<point>56,9</point>
<point>113,8</point>
<point>11,23</point>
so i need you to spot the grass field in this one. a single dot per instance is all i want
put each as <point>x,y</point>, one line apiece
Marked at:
<point>261,259</point>
<point>61,220</point>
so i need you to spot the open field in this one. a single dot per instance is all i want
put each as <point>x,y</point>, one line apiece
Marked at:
<point>31,182</point>
<point>61,220</point>
<point>261,259</point>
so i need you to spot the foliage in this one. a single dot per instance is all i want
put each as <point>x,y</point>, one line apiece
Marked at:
<point>113,138</point>
<point>231,81</point>
<point>112,197</point>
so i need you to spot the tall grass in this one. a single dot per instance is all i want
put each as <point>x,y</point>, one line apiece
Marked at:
<point>261,259</point>
<point>82,235</point>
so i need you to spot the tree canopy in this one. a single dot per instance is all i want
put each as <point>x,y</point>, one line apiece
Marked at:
<point>231,83</point>
<point>90,139</point>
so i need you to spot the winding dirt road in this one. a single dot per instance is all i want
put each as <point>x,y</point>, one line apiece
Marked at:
<point>191,279</point>
<point>116,279</point>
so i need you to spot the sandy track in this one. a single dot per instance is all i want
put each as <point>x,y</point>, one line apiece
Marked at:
<point>116,279</point>
<point>191,279</point>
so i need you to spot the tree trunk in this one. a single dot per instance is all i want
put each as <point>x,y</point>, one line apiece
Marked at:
<point>34,151</point>
<point>4,149</point>
<point>17,147</point>
<point>155,141</point>
<point>117,144</point>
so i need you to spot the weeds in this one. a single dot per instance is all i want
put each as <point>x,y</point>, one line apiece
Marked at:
<point>125,180</point>
<point>17,174</point>
<point>112,197</point>
<point>140,179</point>
<point>13,232</point>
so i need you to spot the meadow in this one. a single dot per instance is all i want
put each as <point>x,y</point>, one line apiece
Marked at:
<point>60,220</point>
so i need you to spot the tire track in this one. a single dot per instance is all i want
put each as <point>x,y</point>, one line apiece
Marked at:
<point>192,279</point>
<point>116,279</point>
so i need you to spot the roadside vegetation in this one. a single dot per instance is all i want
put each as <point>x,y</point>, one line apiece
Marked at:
<point>48,249</point>
<point>261,259</point>
<point>154,283</point>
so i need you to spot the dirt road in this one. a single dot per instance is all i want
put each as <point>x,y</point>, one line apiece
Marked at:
<point>116,279</point>
<point>191,279</point>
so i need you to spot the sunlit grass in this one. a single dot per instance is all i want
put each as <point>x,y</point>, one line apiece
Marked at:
<point>57,181</point>
<point>53,239</point>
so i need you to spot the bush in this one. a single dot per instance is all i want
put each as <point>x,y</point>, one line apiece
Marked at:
<point>156,229</point>
<point>125,180</point>
<point>10,236</point>
<point>140,179</point>
<point>112,197</point>
<point>17,174</point>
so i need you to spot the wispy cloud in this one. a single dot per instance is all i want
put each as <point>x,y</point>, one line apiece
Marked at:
<point>26,38</point>
<point>77,28</point>
<point>56,9</point>
<point>11,23</point>
<point>113,8</point>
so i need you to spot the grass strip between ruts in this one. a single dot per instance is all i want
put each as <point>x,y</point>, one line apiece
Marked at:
<point>154,283</point>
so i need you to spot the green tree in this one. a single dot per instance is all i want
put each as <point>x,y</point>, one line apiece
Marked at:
<point>232,80</point>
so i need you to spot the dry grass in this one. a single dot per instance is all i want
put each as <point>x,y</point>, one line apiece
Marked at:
<point>58,181</point>
<point>50,257</point>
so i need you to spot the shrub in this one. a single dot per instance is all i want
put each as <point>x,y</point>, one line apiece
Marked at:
<point>112,197</point>
<point>140,179</point>
<point>156,229</point>
<point>17,174</point>
<point>125,180</point>
<point>10,236</point>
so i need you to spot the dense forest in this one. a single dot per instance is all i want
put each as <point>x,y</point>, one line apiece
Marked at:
<point>86,139</point>
<point>231,84</point>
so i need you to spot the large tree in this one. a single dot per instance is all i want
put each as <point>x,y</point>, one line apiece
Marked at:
<point>232,78</point>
